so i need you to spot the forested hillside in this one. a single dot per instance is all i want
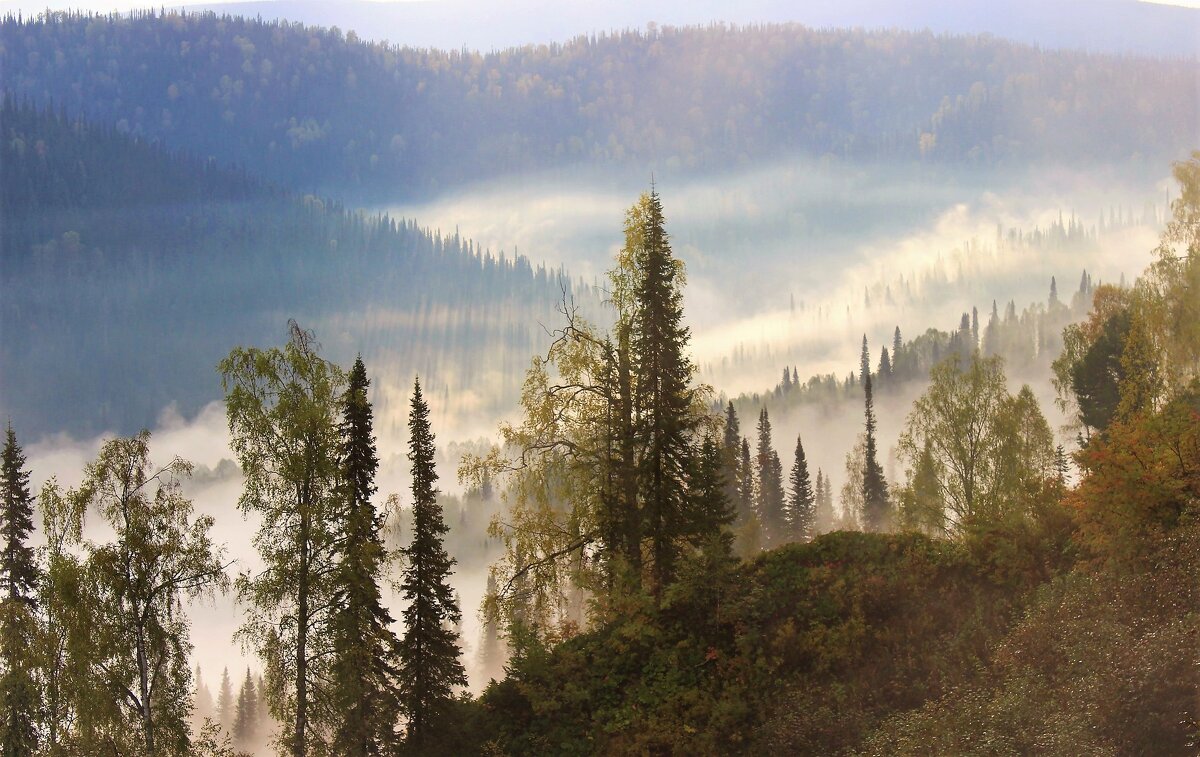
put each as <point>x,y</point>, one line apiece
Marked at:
<point>316,109</point>
<point>134,265</point>
<point>1007,598</point>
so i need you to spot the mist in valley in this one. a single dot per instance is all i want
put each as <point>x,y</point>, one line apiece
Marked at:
<point>787,266</point>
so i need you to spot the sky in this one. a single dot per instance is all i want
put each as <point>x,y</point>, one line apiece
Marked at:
<point>103,6</point>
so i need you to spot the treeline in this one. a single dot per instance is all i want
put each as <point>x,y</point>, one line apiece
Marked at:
<point>54,162</point>
<point>317,109</point>
<point>157,287</point>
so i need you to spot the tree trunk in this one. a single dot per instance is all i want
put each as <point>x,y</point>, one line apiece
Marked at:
<point>302,620</point>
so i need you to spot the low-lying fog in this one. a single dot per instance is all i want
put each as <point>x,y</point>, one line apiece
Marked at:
<point>788,265</point>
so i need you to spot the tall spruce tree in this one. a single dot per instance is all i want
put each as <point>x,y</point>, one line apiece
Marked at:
<point>429,653</point>
<point>897,344</point>
<point>711,510</point>
<point>226,704</point>
<point>770,485</point>
<point>365,650</point>
<point>245,722</point>
<point>876,515</point>
<point>746,492</point>
<point>802,504</point>
<point>664,395</point>
<point>19,694</point>
<point>731,463</point>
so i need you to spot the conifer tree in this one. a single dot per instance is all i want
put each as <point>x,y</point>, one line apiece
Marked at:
<point>19,697</point>
<point>824,504</point>
<point>731,463</point>
<point>802,510</point>
<point>226,707</point>
<point>897,344</point>
<point>664,394</point>
<point>366,652</point>
<point>770,485</point>
<point>885,365</point>
<point>245,723</point>
<point>711,510</point>
<point>429,666</point>
<point>746,493</point>
<point>875,500</point>
<point>202,701</point>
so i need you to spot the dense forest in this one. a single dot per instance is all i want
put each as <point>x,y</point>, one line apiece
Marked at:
<point>322,111</point>
<point>125,259</point>
<point>660,588</point>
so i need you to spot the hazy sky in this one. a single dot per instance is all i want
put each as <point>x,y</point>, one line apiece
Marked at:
<point>36,6</point>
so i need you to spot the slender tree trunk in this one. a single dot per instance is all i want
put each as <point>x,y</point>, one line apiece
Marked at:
<point>144,690</point>
<point>629,487</point>
<point>302,621</point>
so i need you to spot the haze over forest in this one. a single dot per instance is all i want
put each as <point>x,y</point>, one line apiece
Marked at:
<point>876,205</point>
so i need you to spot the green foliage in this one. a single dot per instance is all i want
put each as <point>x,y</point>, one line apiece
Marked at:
<point>365,651</point>
<point>601,465</point>
<point>115,645</point>
<point>1100,664</point>
<point>799,651</point>
<point>282,407</point>
<point>429,670</point>
<point>1096,378</point>
<point>20,699</point>
<point>802,501</point>
<point>990,453</point>
<point>876,508</point>
<point>769,504</point>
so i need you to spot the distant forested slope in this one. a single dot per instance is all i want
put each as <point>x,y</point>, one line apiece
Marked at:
<point>313,108</point>
<point>129,271</point>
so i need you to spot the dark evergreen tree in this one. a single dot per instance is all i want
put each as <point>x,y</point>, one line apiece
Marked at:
<point>885,365</point>
<point>963,336</point>
<point>366,652</point>
<point>824,504</point>
<point>875,499</point>
<point>1062,465</point>
<point>732,468</point>
<point>430,669</point>
<point>225,702</point>
<point>245,724</point>
<point>786,383</point>
<point>746,494</point>
<point>1053,292</point>
<point>664,394</point>
<point>19,698</point>
<point>711,511</point>
<point>802,505</point>
<point>770,485</point>
<point>991,333</point>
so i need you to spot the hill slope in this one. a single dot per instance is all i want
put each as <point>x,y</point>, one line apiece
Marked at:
<point>314,108</point>
<point>128,272</point>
